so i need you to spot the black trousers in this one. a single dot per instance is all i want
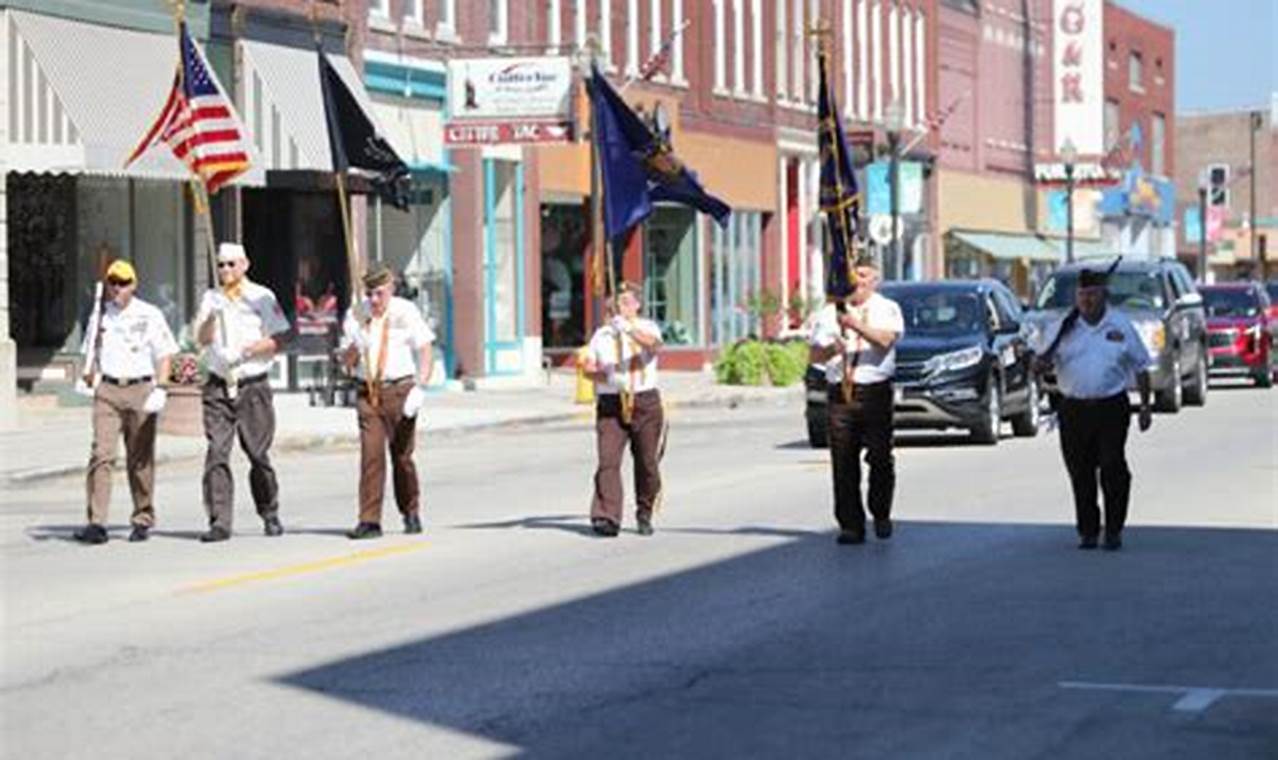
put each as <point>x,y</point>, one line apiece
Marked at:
<point>865,423</point>
<point>1093,436</point>
<point>251,416</point>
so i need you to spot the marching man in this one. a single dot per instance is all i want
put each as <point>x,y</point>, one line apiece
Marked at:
<point>622,361</point>
<point>382,336</point>
<point>241,326</point>
<point>129,346</point>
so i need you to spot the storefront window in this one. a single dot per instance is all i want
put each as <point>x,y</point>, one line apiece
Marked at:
<point>671,282</point>
<point>503,261</point>
<point>737,278</point>
<point>564,237</point>
<point>413,243</point>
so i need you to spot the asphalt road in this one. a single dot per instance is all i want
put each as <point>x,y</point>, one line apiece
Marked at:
<point>740,629</point>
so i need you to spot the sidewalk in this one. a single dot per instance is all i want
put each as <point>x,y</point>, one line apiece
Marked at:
<point>52,443</point>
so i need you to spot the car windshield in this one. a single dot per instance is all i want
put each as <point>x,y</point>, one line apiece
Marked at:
<point>1229,302</point>
<point>939,312</point>
<point>1134,290</point>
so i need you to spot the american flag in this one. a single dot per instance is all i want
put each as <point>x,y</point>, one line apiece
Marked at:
<point>661,59</point>
<point>198,123</point>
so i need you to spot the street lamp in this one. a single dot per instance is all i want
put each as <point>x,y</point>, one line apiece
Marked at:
<point>1069,155</point>
<point>1204,187</point>
<point>894,121</point>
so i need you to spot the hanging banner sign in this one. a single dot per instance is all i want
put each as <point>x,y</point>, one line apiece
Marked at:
<point>496,101</point>
<point>1078,75</point>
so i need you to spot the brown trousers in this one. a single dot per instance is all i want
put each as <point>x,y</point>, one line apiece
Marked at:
<point>118,410</point>
<point>646,435</point>
<point>380,427</point>
<point>252,414</point>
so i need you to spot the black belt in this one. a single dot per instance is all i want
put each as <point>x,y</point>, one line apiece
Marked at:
<point>218,380</point>
<point>363,384</point>
<point>1117,397</point>
<point>125,382</point>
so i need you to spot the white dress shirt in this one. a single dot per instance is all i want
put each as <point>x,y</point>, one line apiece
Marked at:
<point>1100,360</point>
<point>406,334</point>
<point>254,315</point>
<point>873,363</point>
<point>615,364</point>
<point>134,339</point>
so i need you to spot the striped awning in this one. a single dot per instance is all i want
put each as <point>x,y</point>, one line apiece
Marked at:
<point>84,95</point>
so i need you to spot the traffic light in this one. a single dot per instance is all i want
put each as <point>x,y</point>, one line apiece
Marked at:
<point>1218,185</point>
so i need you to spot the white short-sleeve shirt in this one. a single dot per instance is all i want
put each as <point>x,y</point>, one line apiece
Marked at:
<point>134,338</point>
<point>254,315</point>
<point>1100,360</point>
<point>874,364</point>
<point>613,351</point>
<point>406,334</point>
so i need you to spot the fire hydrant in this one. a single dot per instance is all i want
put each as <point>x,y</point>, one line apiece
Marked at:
<point>585,385</point>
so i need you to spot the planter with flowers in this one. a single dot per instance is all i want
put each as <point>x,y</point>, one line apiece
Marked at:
<point>184,414</point>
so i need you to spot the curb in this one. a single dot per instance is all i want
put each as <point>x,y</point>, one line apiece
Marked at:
<point>297,443</point>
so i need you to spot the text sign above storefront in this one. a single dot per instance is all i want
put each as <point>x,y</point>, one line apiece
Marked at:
<point>1089,174</point>
<point>516,131</point>
<point>495,101</point>
<point>1078,71</point>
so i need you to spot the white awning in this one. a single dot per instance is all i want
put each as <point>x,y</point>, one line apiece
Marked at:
<point>86,94</point>
<point>283,105</point>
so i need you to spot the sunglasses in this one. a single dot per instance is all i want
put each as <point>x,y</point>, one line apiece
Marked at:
<point>225,264</point>
<point>116,282</point>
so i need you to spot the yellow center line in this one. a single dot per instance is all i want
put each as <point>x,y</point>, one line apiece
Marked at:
<point>303,568</point>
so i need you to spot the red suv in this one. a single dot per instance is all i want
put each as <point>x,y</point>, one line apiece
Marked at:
<point>1240,331</point>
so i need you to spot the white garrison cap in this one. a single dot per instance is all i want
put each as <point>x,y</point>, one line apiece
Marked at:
<point>231,252</point>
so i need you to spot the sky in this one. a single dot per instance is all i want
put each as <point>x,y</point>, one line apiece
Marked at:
<point>1226,50</point>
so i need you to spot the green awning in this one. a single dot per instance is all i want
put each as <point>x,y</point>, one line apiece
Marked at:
<point>1011,247</point>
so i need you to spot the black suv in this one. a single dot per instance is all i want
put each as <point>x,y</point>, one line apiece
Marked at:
<point>963,362</point>
<point>1160,298</point>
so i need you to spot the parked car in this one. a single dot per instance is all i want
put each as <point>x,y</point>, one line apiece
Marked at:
<point>1167,310</point>
<point>963,362</point>
<point>1240,333</point>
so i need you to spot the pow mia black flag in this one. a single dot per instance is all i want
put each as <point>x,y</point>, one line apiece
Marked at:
<point>354,142</point>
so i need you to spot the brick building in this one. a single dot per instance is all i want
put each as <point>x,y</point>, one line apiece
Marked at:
<point>1221,143</point>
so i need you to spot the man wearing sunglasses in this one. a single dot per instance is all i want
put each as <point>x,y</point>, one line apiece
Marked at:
<point>241,326</point>
<point>133,349</point>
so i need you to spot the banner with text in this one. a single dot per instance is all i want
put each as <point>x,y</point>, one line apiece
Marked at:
<point>1078,75</point>
<point>495,101</point>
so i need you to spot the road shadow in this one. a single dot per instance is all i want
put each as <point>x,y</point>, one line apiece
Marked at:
<point>916,440</point>
<point>949,640</point>
<point>578,524</point>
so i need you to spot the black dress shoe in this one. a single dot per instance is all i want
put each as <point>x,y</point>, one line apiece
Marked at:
<point>1088,543</point>
<point>883,528</point>
<point>1113,543</point>
<point>645,526</point>
<point>91,534</point>
<point>214,535</point>
<point>364,530</point>
<point>272,526</point>
<point>850,537</point>
<point>604,527</point>
<point>140,533</point>
<point>412,523</point>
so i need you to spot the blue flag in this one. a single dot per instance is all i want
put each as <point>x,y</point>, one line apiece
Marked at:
<point>639,166</point>
<point>839,198</point>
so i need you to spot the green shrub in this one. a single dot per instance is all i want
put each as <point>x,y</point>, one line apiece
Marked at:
<point>753,362</point>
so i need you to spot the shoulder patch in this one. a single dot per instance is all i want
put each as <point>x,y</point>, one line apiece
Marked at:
<point>1115,336</point>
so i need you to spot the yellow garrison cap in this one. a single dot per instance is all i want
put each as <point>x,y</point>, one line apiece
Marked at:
<point>121,270</point>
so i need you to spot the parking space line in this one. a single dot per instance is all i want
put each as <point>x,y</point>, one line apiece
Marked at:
<point>1193,699</point>
<point>303,568</point>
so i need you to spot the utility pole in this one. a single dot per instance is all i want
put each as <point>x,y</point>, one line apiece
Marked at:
<point>1254,121</point>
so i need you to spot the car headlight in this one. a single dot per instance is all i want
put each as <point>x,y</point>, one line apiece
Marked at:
<point>954,360</point>
<point>1153,335</point>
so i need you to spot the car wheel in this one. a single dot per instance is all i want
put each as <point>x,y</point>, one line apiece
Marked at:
<point>1196,393</point>
<point>1025,424</point>
<point>818,435</point>
<point>1264,379</point>
<point>986,431</point>
<point>1170,399</point>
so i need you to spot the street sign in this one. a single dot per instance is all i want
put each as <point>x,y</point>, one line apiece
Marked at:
<point>512,132</point>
